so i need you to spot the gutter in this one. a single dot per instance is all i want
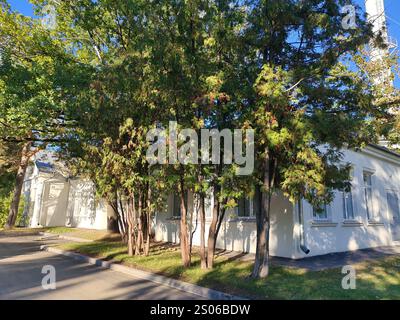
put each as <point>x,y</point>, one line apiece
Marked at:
<point>303,246</point>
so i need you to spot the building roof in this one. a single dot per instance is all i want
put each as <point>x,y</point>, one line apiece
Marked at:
<point>45,167</point>
<point>384,149</point>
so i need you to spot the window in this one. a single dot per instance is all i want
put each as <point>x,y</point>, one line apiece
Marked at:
<point>393,205</point>
<point>348,211</point>
<point>367,178</point>
<point>249,207</point>
<point>321,213</point>
<point>176,206</point>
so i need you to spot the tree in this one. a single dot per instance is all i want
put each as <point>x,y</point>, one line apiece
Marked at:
<point>30,107</point>
<point>305,104</point>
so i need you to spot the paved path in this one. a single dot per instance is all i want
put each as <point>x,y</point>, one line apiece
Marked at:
<point>327,261</point>
<point>21,264</point>
<point>339,259</point>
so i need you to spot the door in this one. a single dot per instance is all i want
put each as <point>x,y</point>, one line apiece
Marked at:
<point>54,204</point>
<point>394,214</point>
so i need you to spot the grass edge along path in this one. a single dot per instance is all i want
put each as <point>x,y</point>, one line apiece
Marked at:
<point>378,279</point>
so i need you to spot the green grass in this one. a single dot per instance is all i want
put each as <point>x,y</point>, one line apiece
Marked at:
<point>375,280</point>
<point>18,230</point>
<point>59,230</point>
<point>88,234</point>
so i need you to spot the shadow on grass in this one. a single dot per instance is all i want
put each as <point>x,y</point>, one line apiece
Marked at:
<point>379,279</point>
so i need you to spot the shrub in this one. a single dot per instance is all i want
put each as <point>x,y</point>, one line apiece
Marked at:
<point>5,201</point>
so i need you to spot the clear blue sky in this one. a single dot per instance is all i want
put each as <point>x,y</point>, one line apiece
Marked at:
<point>392,13</point>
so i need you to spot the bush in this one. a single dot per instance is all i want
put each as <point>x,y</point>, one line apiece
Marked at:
<point>5,201</point>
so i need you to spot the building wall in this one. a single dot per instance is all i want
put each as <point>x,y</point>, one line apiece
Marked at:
<point>54,205</point>
<point>55,201</point>
<point>236,234</point>
<point>46,197</point>
<point>338,235</point>
<point>334,235</point>
<point>84,210</point>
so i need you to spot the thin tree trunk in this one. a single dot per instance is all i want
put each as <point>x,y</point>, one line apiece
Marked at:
<point>123,218</point>
<point>131,230</point>
<point>261,263</point>
<point>139,242</point>
<point>19,182</point>
<point>184,234</point>
<point>148,215</point>
<point>212,238</point>
<point>203,257</point>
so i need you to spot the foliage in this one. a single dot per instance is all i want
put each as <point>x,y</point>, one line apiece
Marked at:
<point>110,71</point>
<point>5,201</point>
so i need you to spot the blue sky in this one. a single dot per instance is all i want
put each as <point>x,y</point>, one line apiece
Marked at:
<point>392,13</point>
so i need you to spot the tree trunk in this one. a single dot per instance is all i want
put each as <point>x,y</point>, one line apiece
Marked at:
<point>139,241</point>
<point>113,222</point>
<point>131,230</point>
<point>148,215</point>
<point>261,263</point>
<point>184,233</point>
<point>212,233</point>
<point>123,221</point>
<point>19,182</point>
<point>203,257</point>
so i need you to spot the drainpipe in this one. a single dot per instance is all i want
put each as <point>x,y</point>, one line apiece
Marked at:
<point>303,246</point>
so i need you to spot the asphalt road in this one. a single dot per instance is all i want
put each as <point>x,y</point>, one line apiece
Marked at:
<point>21,264</point>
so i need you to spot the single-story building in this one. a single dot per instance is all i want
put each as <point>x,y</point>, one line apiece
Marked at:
<point>53,198</point>
<point>368,216</point>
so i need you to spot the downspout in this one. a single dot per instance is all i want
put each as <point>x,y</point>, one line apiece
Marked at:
<point>303,246</point>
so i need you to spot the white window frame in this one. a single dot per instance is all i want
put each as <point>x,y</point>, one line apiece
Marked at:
<point>176,214</point>
<point>327,211</point>
<point>395,192</point>
<point>346,215</point>
<point>251,209</point>
<point>251,212</point>
<point>369,203</point>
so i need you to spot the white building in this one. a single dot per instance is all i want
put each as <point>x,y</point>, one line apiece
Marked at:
<point>53,198</point>
<point>368,216</point>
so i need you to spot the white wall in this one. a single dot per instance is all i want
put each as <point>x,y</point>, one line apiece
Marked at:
<point>54,203</point>
<point>236,234</point>
<point>335,235</point>
<point>84,210</point>
<point>47,196</point>
<point>339,235</point>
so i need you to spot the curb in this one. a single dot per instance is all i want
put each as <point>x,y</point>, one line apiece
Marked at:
<point>176,284</point>
<point>54,235</point>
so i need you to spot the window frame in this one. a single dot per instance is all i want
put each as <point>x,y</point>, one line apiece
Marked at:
<point>397,194</point>
<point>317,218</point>
<point>368,194</point>
<point>251,207</point>
<point>248,208</point>
<point>346,215</point>
<point>177,214</point>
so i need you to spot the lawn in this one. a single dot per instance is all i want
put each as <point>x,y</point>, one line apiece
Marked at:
<point>375,280</point>
<point>88,234</point>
